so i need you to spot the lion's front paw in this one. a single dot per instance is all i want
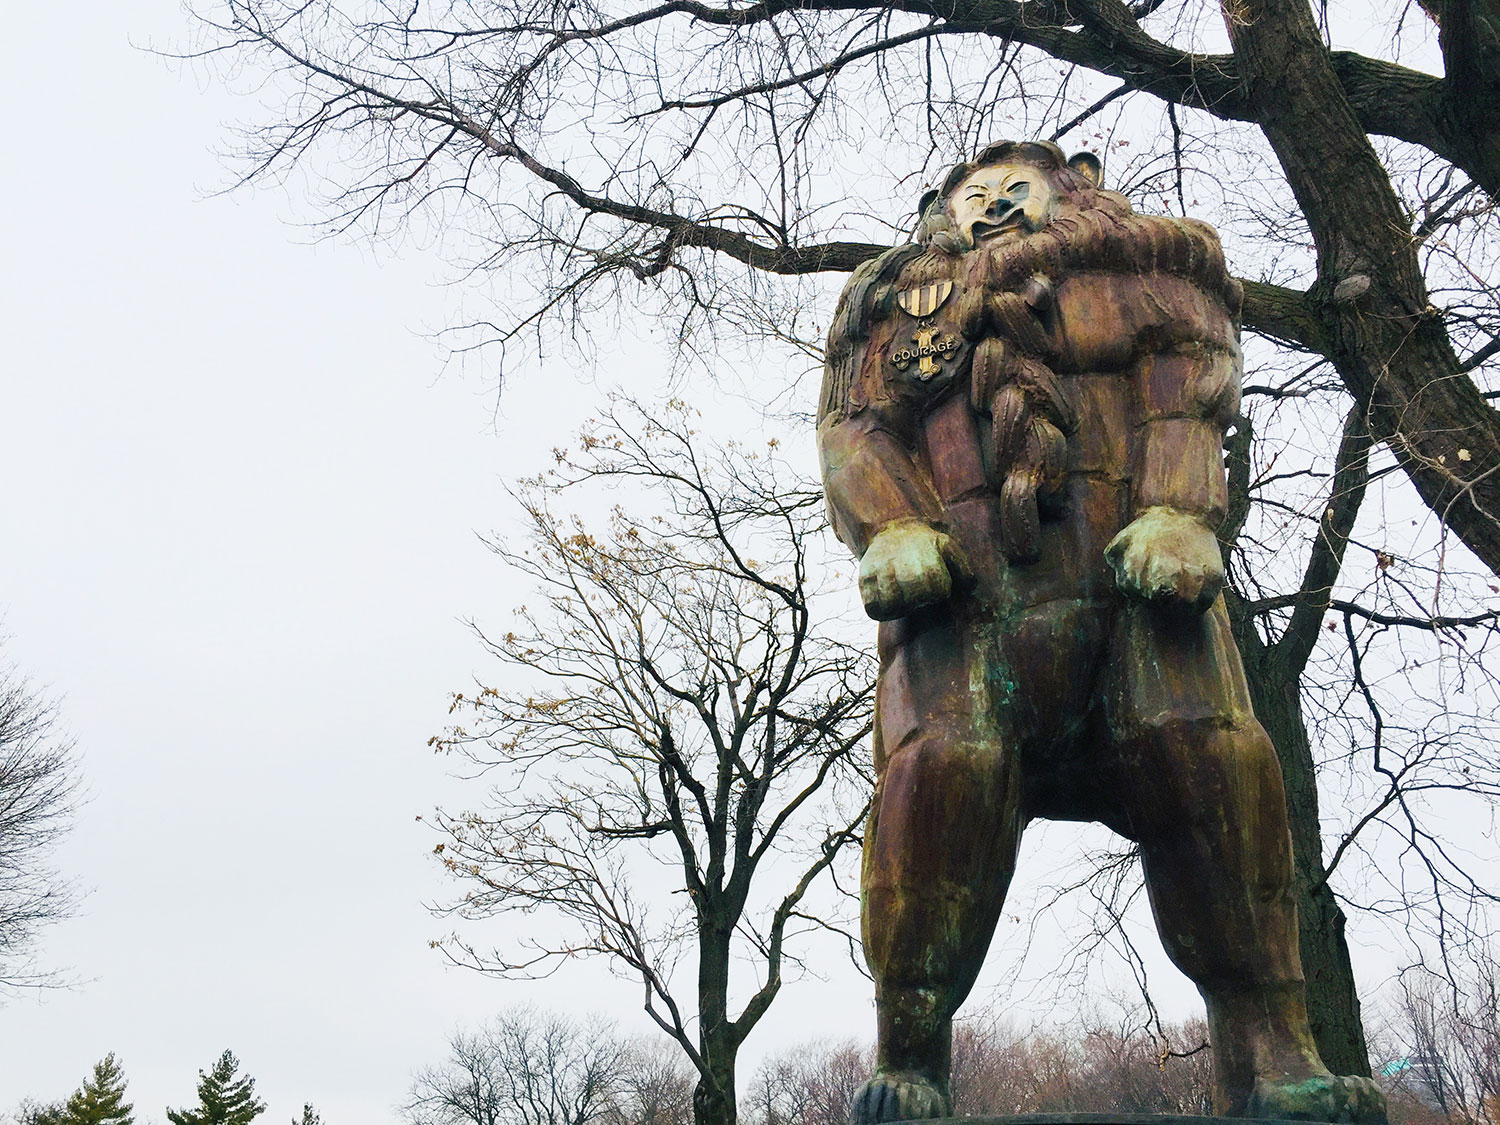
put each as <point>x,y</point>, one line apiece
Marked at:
<point>1320,1097</point>
<point>1169,558</point>
<point>898,1096</point>
<point>906,566</point>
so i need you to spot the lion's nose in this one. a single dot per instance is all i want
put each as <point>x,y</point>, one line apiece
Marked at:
<point>999,210</point>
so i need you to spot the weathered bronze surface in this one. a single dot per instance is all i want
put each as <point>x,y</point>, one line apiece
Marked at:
<point>1021,431</point>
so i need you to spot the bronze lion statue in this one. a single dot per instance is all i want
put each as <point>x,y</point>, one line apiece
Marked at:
<point>1021,430</point>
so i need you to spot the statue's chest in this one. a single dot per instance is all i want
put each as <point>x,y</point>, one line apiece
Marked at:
<point>921,350</point>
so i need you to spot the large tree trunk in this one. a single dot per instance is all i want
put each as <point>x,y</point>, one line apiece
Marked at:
<point>1387,343</point>
<point>718,1043</point>
<point>1332,1003</point>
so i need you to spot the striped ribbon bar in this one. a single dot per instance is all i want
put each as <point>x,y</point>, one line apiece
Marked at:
<point>924,300</point>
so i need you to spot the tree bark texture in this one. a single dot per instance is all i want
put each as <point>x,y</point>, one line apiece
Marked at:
<point>718,1041</point>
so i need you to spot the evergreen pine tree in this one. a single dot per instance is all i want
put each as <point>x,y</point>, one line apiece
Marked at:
<point>223,1099</point>
<point>40,1113</point>
<point>309,1116</point>
<point>101,1098</point>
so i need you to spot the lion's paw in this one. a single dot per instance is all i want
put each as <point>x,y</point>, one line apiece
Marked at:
<point>1321,1097</point>
<point>1169,559</point>
<point>898,1096</point>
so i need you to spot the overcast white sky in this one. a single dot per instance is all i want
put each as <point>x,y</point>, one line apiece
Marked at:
<point>239,513</point>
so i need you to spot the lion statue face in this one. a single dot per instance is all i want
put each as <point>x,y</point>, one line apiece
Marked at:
<point>998,201</point>
<point>1011,190</point>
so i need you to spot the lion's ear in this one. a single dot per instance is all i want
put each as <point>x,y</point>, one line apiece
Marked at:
<point>1087,165</point>
<point>926,201</point>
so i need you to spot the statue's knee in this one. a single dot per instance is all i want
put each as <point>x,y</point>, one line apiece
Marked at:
<point>1223,781</point>
<point>1247,761</point>
<point>1207,745</point>
<point>938,752</point>
<point>916,757</point>
<point>930,779</point>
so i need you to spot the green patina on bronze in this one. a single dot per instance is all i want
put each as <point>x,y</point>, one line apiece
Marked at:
<point>1034,517</point>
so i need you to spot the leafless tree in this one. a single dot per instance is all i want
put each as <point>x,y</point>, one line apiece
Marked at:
<point>675,742</point>
<point>611,142</point>
<point>39,793</point>
<point>1377,688</point>
<point>1438,1037</point>
<point>1096,1066</point>
<point>1091,1065</point>
<point>656,1086</point>
<point>725,163</point>
<point>811,1085</point>
<point>524,1068</point>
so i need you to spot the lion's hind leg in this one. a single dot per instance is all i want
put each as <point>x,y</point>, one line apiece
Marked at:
<point>1201,790</point>
<point>940,847</point>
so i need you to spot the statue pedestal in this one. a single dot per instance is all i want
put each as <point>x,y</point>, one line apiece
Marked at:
<point>1116,1119</point>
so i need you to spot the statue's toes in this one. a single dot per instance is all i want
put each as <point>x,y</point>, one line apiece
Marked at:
<point>1364,1101</point>
<point>1321,1097</point>
<point>897,1097</point>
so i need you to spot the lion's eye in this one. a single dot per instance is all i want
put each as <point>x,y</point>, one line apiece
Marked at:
<point>1020,190</point>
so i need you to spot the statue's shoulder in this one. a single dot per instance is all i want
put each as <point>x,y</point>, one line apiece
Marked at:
<point>1098,231</point>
